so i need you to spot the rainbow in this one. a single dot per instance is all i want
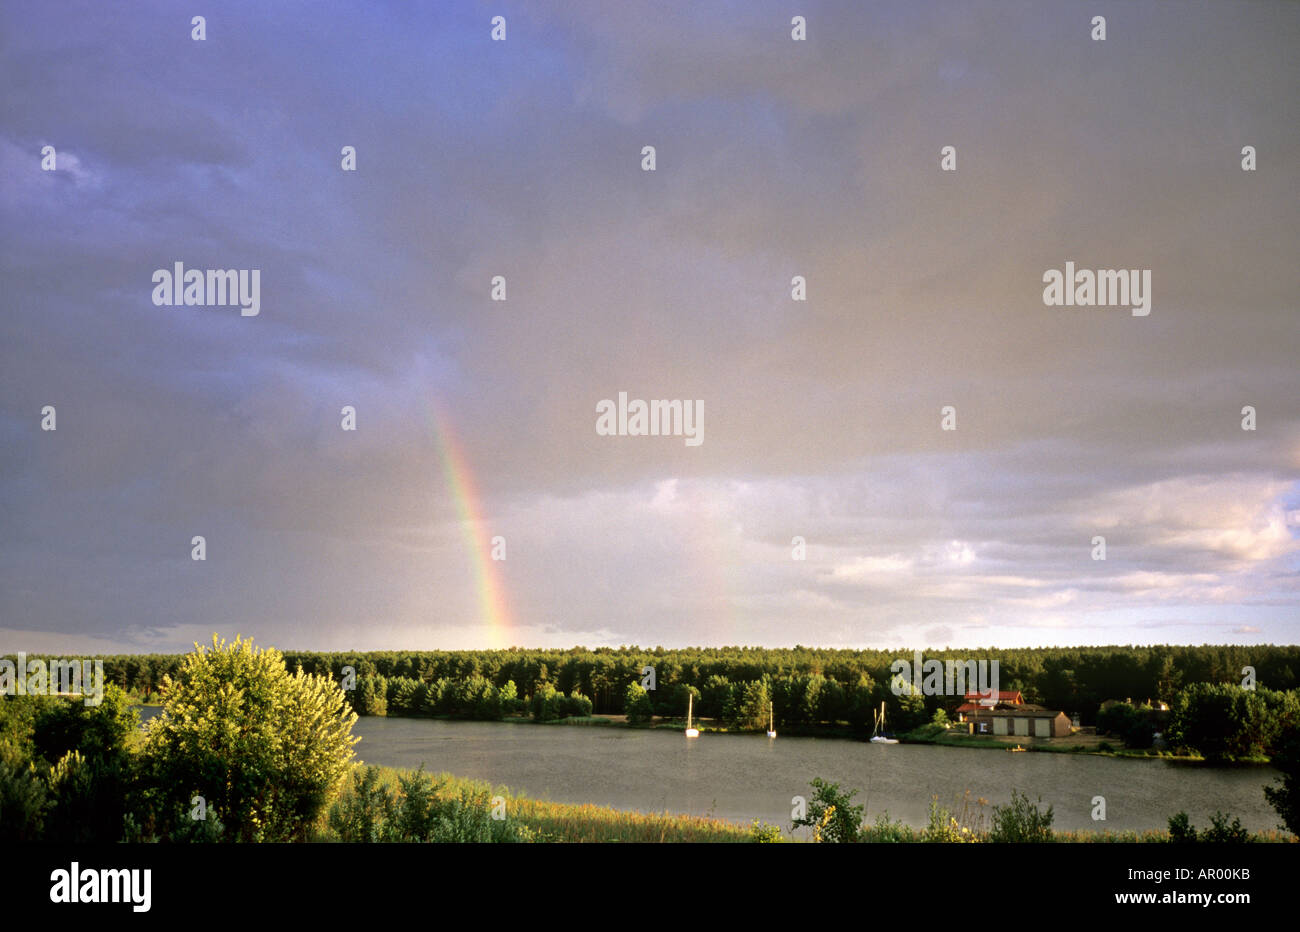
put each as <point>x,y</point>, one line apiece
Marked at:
<point>488,581</point>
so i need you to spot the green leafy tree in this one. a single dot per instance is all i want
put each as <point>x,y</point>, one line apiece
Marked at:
<point>370,696</point>
<point>749,711</point>
<point>509,697</point>
<point>548,703</point>
<point>714,696</point>
<point>861,703</point>
<point>1133,726</point>
<point>404,696</point>
<point>1285,795</point>
<point>264,747</point>
<point>1223,722</point>
<point>636,704</point>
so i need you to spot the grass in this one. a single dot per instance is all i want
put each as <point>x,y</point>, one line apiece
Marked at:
<point>907,835</point>
<point>565,822</point>
<point>586,823</point>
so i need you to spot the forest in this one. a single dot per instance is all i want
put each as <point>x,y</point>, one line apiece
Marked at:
<point>805,685</point>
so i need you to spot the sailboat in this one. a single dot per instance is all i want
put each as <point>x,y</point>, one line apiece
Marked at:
<point>771,722</point>
<point>690,707</point>
<point>878,735</point>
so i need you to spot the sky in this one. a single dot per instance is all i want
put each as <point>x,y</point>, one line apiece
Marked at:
<point>476,419</point>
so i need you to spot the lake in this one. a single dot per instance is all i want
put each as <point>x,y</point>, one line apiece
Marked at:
<point>744,777</point>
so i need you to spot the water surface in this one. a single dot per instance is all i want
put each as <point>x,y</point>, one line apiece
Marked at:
<point>743,777</point>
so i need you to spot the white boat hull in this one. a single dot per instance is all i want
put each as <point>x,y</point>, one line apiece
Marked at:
<point>878,739</point>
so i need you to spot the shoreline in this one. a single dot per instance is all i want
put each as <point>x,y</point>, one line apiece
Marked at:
<point>844,733</point>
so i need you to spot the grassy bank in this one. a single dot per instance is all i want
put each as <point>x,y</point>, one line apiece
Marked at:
<point>562,822</point>
<point>539,821</point>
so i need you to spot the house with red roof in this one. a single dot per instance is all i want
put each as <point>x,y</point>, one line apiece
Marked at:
<point>1007,713</point>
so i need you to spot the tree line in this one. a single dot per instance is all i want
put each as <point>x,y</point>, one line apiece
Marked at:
<point>805,684</point>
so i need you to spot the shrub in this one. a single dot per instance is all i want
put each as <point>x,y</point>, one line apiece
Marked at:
<point>1220,832</point>
<point>1180,829</point>
<point>889,832</point>
<point>942,827</point>
<point>360,814</point>
<point>264,747</point>
<point>88,798</point>
<point>764,833</point>
<point>420,811</point>
<point>965,825</point>
<point>467,817</point>
<point>831,815</point>
<point>22,795</point>
<point>577,705</point>
<point>1021,821</point>
<point>927,732</point>
<point>96,731</point>
<point>1132,726</point>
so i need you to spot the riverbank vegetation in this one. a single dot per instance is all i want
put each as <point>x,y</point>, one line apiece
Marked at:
<point>382,804</point>
<point>834,819</point>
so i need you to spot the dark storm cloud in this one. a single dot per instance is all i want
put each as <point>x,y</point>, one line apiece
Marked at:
<point>822,418</point>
